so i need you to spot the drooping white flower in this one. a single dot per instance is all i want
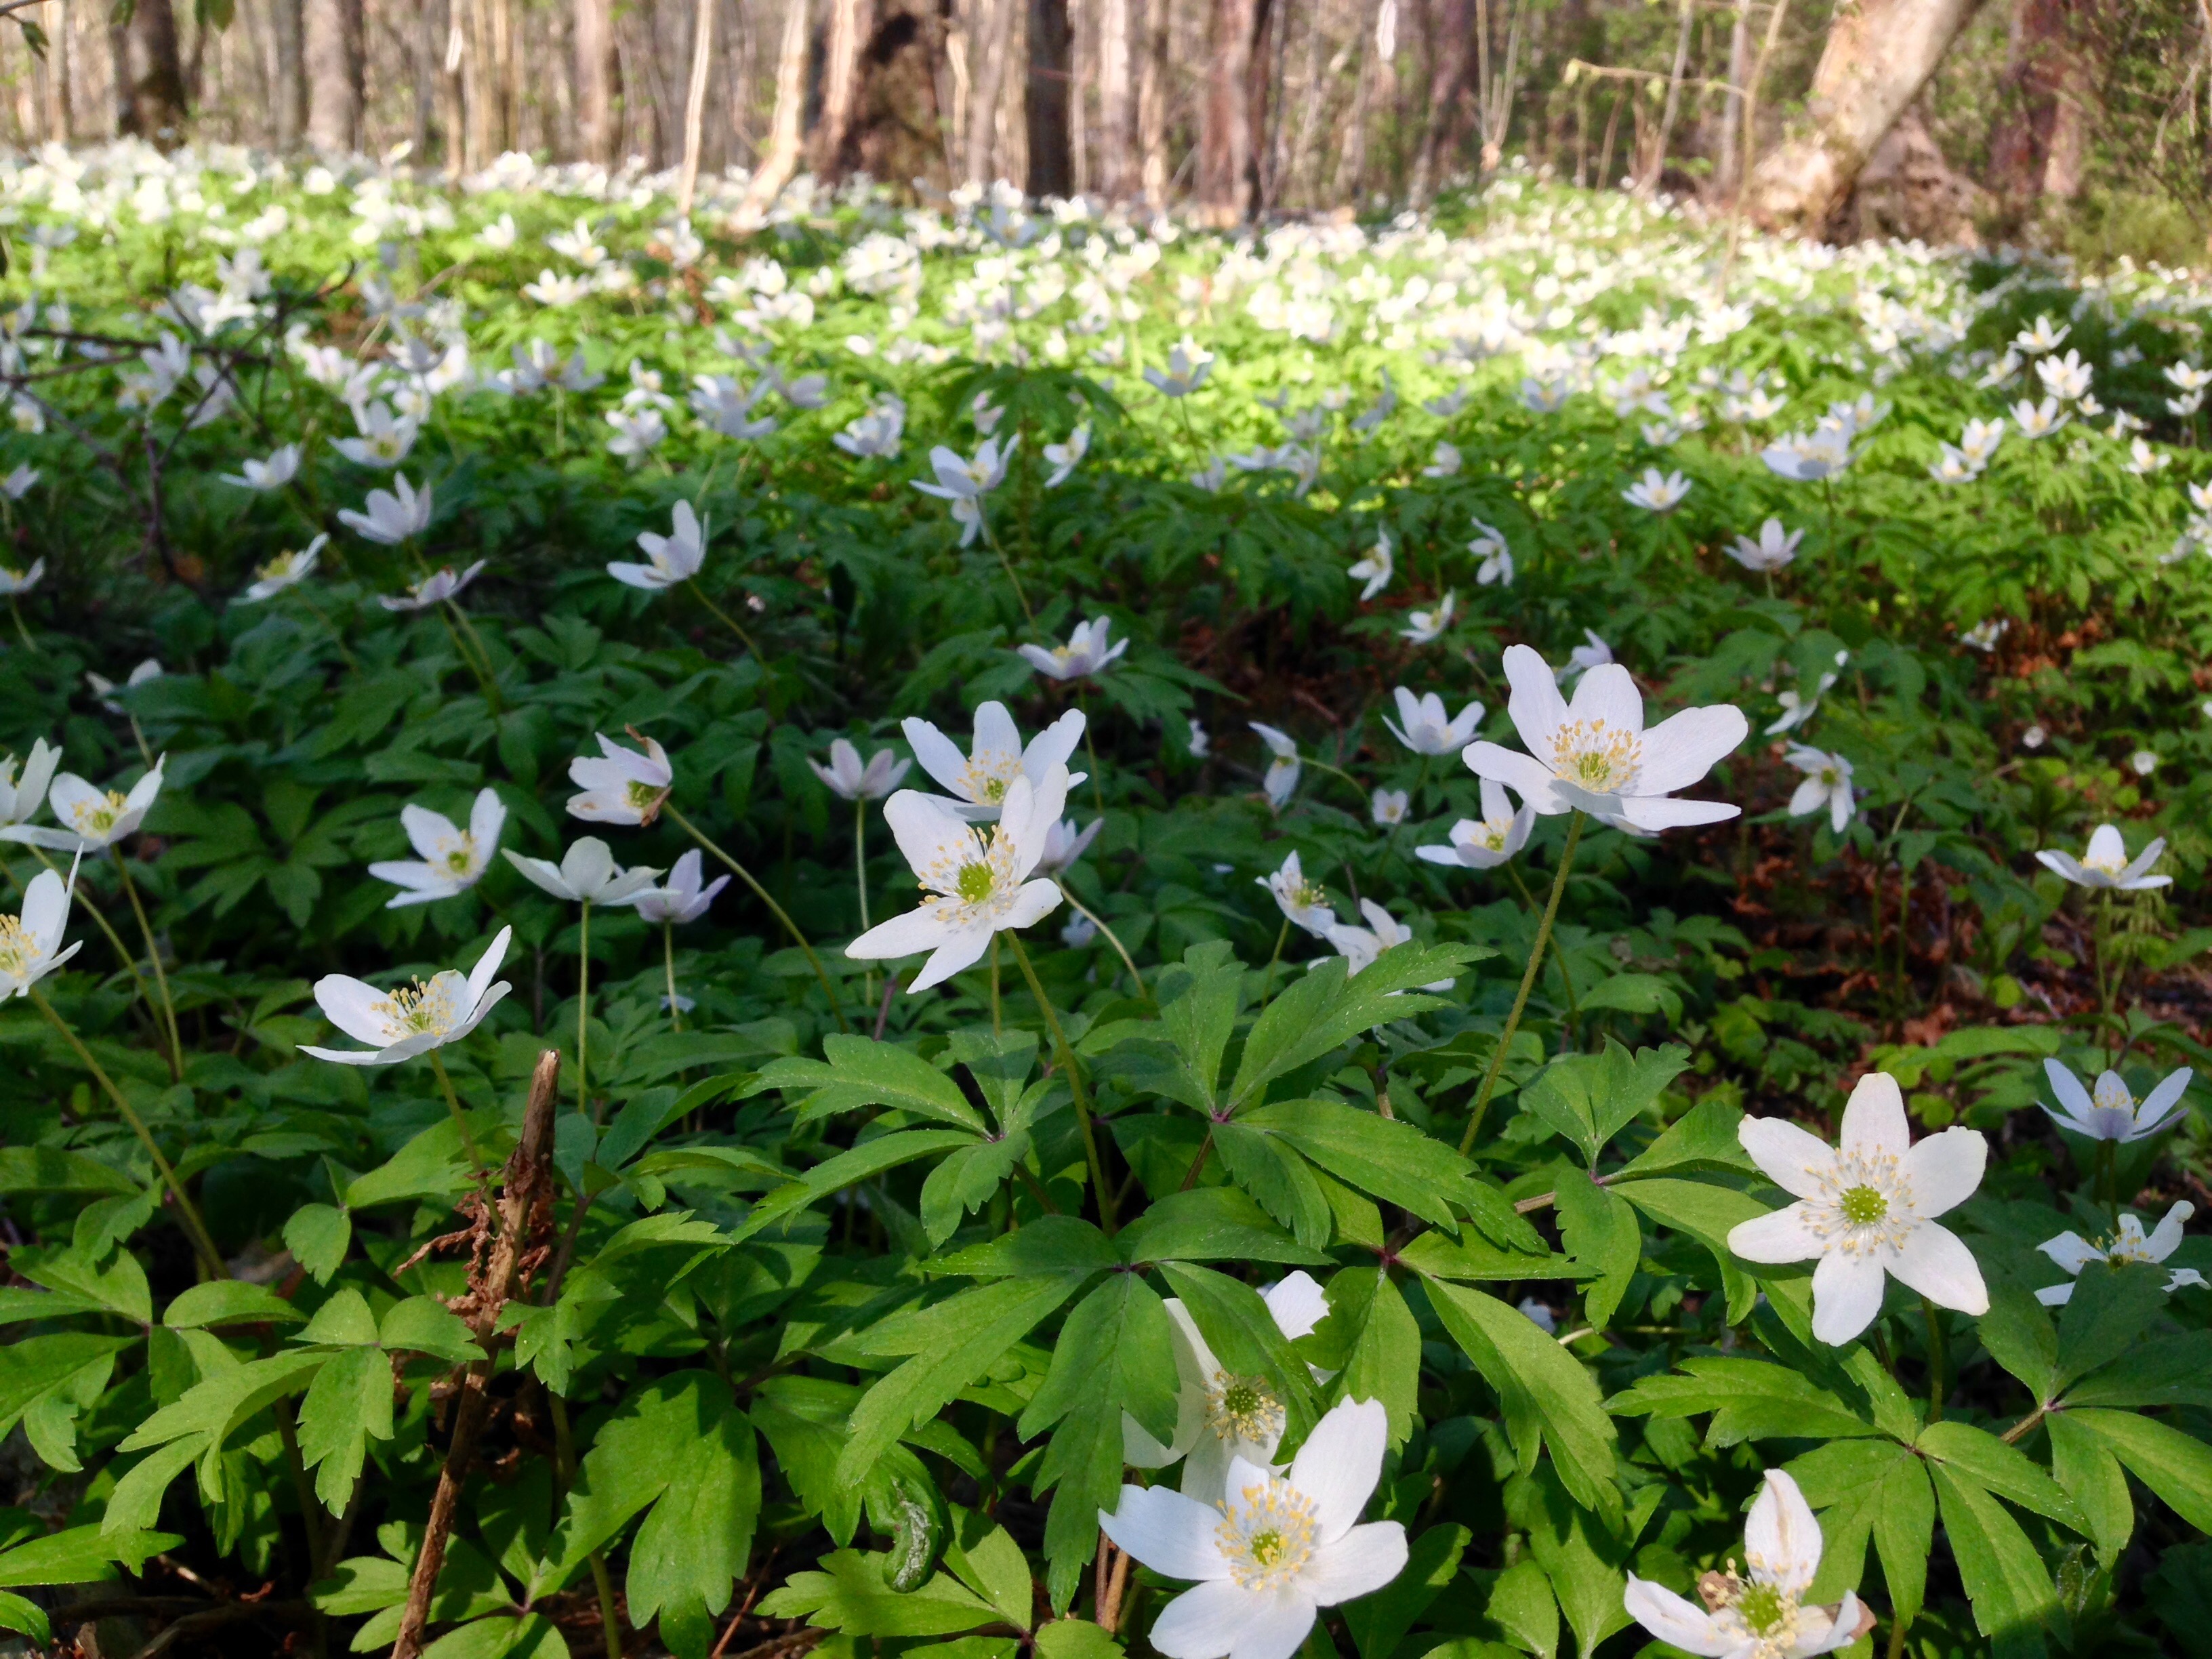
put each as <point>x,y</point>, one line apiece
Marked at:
<point>393,516</point>
<point>1389,806</point>
<point>452,860</point>
<point>619,785</point>
<point>1064,458</point>
<point>411,1019</point>
<point>1592,652</point>
<point>279,470</point>
<point>1772,550</point>
<point>1283,766</point>
<point>1426,627</point>
<point>673,558</point>
<point>2128,1243</point>
<point>102,687</point>
<point>92,819</point>
<point>1809,457</point>
<point>1085,653</point>
<point>1271,1551</point>
<point>21,481</point>
<point>13,582</point>
<point>1377,569</point>
<point>2037,420</point>
<point>1827,785</point>
<point>1762,1614</point>
<point>725,404</point>
<point>436,588</point>
<point>1658,493</point>
<point>849,779</point>
<point>285,570</point>
<point>1064,843</point>
<point>384,440</point>
<point>587,874</point>
<point>1197,742</point>
<point>21,797</point>
<point>1597,757</point>
<point>1952,467</point>
<point>1187,368</point>
<point>1445,464</point>
<point>1866,1209</point>
<point>2107,1111</point>
<point>2104,863</point>
<point>1301,900</point>
<point>1219,1415</point>
<point>1485,842</point>
<point>1359,946</point>
<point>876,434</point>
<point>977,887</point>
<point>1422,726</point>
<point>2143,763</point>
<point>31,943</point>
<point>638,432</point>
<point>980,780</point>
<point>684,899</point>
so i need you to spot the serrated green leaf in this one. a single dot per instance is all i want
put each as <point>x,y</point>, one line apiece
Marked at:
<point>2006,1580</point>
<point>856,1072</point>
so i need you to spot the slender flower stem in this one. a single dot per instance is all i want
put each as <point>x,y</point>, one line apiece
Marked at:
<point>80,902</point>
<point>489,675</point>
<point>460,1119</point>
<point>761,893</point>
<point>997,1025</point>
<point>195,1229</point>
<point>144,753</point>
<point>1113,939</point>
<point>1074,1083</point>
<point>1282,938</point>
<point>1527,981</point>
<point>584,1014</point>
<point>1938,1358</point>
<point>160,974</point>
<point>1006,564</point>
<point>461,649</point>
<point>668,957</point>
<point>1412,806</point>
<point>727,620</point>
<point>1097,789</point>
<point>860,855</point>
<point>15,610</point>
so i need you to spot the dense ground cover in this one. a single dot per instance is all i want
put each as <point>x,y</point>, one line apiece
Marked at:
<point>1270,1084</point>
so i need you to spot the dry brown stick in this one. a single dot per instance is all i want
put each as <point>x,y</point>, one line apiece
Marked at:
<point>526,1174</point>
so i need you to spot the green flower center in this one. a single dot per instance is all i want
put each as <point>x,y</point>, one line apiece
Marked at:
<point>1864,1205</point>
<point>974,882</point>
<point>1267,1547</point>
<point>642,795</point>
<point>994,789</point>
<point>1762,1607</point>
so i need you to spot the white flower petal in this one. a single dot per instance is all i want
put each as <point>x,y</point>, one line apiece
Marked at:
<point>1671,1618</point>
<point>1275,1625</point>
<point>1874,1117</point>
<point>1172,1534</point>
<point>1681,750</point>
<point>1784,1235</point>
<point>1362,1560</point>
<point>1935,1262</point>
<point>1297,1301</point>
<point>1202,1623</point>
<point>1790,1155</point>
<point>1537,708</point>
<point>1946,1168</point>
<point>1781,1535</point>
<point>1846,1295</point>
<point>1340,1462</point>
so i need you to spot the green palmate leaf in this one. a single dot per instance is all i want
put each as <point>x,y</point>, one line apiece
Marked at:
<point>219,1406</point>
<point>432,1165</point>
<point>317,1235</point>
<point>1703,1142</point>
<point>1379,1621</point>
<point>423,1324</point>
<point>80,1555</point>
<point>1198,1020</point>
<point>1075,1639</point>
<point>53,1169</point>
<point>1376,1344</point>
<point>349,1403</point>
<point>1210,1224</point>
<point>1590,1098</point>
<point>1472,1259</point>
<point>2166,1370</point>
<point>1601,1230</point>
<point>984,1559</point>
<point>1585,1562</point>
<point>1393,1161</point>
<point>2020,1336</point>
<point>856,1073</point>
<point>1327,1009</point>
<point>1863,1488</point>
<point>965,1180</point>
<point>45,1382</point>
<point>1276,1177</point>
<point>229,1302</point>
<point>1051,1244</point>
<point>863,1163</point>
<point>1705,1212</point>
<point>136,1504</point>
<point>2005,1470</point>
<point>1749,1399</point>
<point>952,1343</point>
<point>2178,1466</point>
<point>2093,1478</point>
<point>848,1593</point>
<point>2112,1306</point>
<point>117,1283</point>
<point>2005,1578</point>
<point>1520,1606</point>
<point>1549,1399</point>
<point>1246,1340</point>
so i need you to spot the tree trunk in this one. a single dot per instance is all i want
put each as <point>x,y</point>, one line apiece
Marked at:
<point>330,32</point>
<point>1657,162</point>
<point>1224,137</point>
<point>1878,56</point>
<point>776,166</point>
<point>1447,78</point>
<point>149,77</point>
<point>596,135</point>
<point>1118,33</point>
<point>694,102</point>
<point>1153,99</point>
<point>1051,159</point>
<point>60,126</point>
<point>990,37</point>
<point>1725,167</point>
<point>849,24</point>
<point>287,100</point>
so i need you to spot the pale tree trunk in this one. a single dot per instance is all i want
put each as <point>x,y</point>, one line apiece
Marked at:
<point>594,32</point>
<point>1117,109</point>
<point>1657,163</point>
<point>781,157</point>
<point>330,32</point>
<point>694,102</point>
<point>1152,101</point>
<point>287,100</point>
<point>989,38</point>
<point>1224,137</point>
<point>149,77</point>
<point>1724,166</point>
<point>1878,55</point>
<point>849,24</point>
<point>59,127</point>
<point>1447,75</point>
<point>1051,160</point>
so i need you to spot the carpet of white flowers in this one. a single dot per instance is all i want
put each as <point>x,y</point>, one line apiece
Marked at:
<point>997,928</point>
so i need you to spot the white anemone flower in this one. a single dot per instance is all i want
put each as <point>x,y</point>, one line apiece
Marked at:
<point>981,780</point>
<point>977,887</point>
<point>92,819</point>
<point>452,859</point>
<point>2107,1111</point>
<point>1283,765</point>
<point>436,588</point>
<point>587,874</point>
<point>2104,863</point>
<point>1866,1210</point>
<point>960,479</point>
<point>411,1019</point>
<point>1485,842</point>
<point>1763,1614</point>
<point>1064,843</point>
<point>279,470</point>
<point>2037,420</point>
<point>19,483</point>
<point>1445,464</point>
<point>1827,784</point>
<point>1219,1415</point>
<point>1592,652</point>
<point>619,785</point>
<point>850,781</point>
<point>1064,458</point>
<point>20,797</point>
<point>1809,457</point>
<point>1423,727</point>
<point>1595,756</point>
<point>1377,569</point>
<point>1426,627</point>
<point>2128,1243</point>
<point>102,686</point>
<point>385,439</point>
<point>31,943</point>
<point>1389,807</point>
<point>393,516</point>
<point>1271,1551</point>
<point>1085,653</point>
<point>684,899</point>
<point>1300,899</point>
<point>1187,368</point>
<point>1658,493</point>
<point>286,570</point>
<point>1774,549</point>
<point>1359,946</point>
<point>673,558</point>
<point>13,582</point>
